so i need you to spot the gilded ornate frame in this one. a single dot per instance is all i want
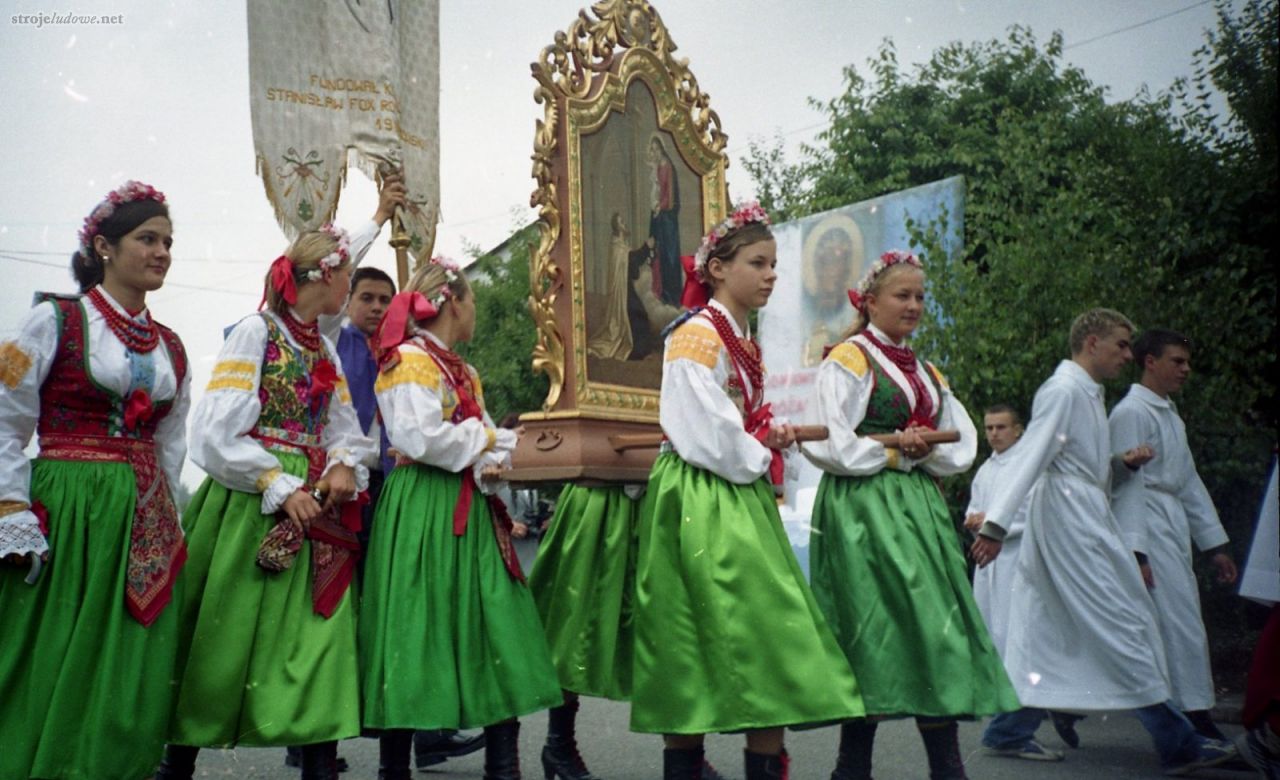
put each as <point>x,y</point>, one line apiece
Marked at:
<point>582,80</point>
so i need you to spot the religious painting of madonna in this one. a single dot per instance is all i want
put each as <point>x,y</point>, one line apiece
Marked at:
<point>642,209</point>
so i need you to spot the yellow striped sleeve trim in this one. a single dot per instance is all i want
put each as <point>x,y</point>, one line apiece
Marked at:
<point>266,479</point>
<point>12,507</point>
<point>14,364</point>
<point>895,457</point>
<point>233,375</point>
<point>414,368</point>
<point>696,343</point>
<point>849,356</point>
<point>942,380</point>
<point>344,392</point>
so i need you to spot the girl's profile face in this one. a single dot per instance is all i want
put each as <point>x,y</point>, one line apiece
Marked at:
<point>897,307</point>
<point>746,280</point>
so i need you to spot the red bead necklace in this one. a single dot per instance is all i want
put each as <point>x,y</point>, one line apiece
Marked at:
<point>136,336</point>
<point>307,334</point>
<point>744,353</point>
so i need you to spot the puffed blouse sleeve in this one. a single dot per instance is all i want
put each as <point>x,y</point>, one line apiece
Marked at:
<point>171,435</point>
<point>409,398</point>
<point>843,389</point>
<point>24,365</point>
<point>344,441</point>
<point>697,415</point>
<point>221,421</point>
<point>955,457</point>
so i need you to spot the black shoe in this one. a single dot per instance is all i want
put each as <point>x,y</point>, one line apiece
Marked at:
<point>682,764</point>
<point>293,758</point>
<point>179,763</point>
<point>1065,724</point>
<point>762,766</point>
<point>502,751</point>
<point>560,757</point>
<point>436,747</point>
<point>709,772</point>
<point>319,761</point>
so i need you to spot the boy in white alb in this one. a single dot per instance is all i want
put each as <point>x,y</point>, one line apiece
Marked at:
<point>1162,510</point>
<point>1081,632</point>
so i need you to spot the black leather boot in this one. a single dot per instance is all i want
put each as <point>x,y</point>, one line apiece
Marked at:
<point>502,751</point>
<point>393,754</point>
<point>682,764</point>
<point>942,744</point>
<point>179,763</point>
<point>857,738</point>
<point>560,757</point>
<point>765,766</point>
<point>320,761</point>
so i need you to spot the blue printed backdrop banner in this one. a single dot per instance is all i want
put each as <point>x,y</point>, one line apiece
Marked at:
<point>339,80</point>
<point>819,258</point>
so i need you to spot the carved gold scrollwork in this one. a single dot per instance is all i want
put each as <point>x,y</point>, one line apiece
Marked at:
<point>568,69</point>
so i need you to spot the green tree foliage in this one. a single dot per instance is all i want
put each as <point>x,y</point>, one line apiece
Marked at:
<point>505,336</point>
<point>1072,201</point>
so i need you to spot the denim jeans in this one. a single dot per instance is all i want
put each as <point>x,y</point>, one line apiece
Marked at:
<point>1012,730</point>
<point>1175,738</point>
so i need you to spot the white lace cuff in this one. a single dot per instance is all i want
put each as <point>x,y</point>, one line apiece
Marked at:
<point>276,493</point>
<point>504,440</point>
<point>346,458</point>
<point>488,460</point>
<point>20,534</point>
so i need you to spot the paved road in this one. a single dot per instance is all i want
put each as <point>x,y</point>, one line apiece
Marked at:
<point>1112,747</point>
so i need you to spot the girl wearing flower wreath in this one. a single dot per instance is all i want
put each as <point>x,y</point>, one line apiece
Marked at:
<point>449,636</point>
<point>269,623</point>
<point>728,636</point>
<point>887,568</point>
<point>88,644</point>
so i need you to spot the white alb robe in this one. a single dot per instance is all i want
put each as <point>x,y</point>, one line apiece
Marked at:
<point>1160,512</point>
<point>993,584</point>
<point>1081,633</point>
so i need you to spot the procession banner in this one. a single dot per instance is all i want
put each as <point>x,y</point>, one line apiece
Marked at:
<point>819,258</point>
<point>344,79</point>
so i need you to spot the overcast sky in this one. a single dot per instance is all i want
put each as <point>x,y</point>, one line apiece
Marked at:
<point>163,97</point>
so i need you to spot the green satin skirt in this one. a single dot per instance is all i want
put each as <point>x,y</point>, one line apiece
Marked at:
<point>448,640</point>
<point>261,667</point>
<point>85,689</point>
<point>890,576</point>
<point>584,583</point>
<point>728,635</point>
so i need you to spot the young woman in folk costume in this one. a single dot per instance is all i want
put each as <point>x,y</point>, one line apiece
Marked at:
<point>88,644</point>
<point>269,635</point>
<point>449,636</point>
<point>728,636</point>
<point>887,568</point>
<point>584,583</point>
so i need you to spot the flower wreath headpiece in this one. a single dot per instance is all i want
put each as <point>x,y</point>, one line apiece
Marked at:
<point>335,258</point>
<point>451,273</point>
<point>126,193</point>
<point>858,295</point>
<point>745,214</point>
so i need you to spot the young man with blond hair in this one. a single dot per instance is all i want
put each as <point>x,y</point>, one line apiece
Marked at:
<point>1082,635</point>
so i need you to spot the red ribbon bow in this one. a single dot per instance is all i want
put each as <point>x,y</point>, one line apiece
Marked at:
<point>695,291</point>
<point>855,298</point>
<point>281,280</point>
<point>758,424</point>
<point>137,409</point>
<point>323,379</point>
<point>404,307</point>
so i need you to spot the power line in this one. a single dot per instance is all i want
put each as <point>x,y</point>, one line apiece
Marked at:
<point>66,267</point>
<point>1152,20</point>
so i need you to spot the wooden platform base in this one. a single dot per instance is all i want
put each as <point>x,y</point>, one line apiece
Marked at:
<point>577,449</point>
